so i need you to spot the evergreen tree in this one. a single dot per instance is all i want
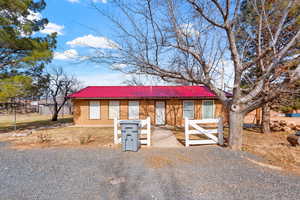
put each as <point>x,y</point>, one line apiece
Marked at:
<point>252,26</point>
<point>21,48</point>
<point>15,87</point>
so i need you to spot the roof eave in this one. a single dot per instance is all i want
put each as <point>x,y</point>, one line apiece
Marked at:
<point>205,97</point>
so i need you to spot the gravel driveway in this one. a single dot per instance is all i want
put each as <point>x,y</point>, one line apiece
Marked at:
<point>207,172</point>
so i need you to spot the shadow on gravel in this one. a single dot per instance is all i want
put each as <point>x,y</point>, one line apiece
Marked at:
<point>3,144</point>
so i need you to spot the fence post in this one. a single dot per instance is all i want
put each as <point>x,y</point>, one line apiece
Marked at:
<point>116,139</point>
<point>148,131</point>
<point>186,131</point>
<point>220,132</point>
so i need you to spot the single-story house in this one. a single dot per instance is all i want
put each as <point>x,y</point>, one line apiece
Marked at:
<point>165,105</point>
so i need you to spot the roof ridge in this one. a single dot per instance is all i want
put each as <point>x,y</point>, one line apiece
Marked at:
<point>146,86</point>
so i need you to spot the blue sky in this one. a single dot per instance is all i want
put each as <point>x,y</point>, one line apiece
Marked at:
<point>79,25</point>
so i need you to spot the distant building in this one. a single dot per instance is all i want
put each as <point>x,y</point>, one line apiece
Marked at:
<point>46,106</point>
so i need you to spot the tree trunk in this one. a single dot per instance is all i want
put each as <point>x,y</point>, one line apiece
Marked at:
<point>55,112</point>
<point>54,116</point>
<point>236,120</point>
<point>258,116</point>
<point>265,128</point>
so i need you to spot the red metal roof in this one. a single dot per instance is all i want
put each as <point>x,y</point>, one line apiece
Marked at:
<point>143,92</point>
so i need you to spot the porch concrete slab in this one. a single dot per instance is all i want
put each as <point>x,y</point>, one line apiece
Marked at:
<point>164,138</point>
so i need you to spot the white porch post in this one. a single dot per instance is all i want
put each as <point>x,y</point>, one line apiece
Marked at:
<point>186,131</point>
<point>116,139</point>
<point>148,132</point>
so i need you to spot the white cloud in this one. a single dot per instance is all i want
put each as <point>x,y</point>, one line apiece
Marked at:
<point>34,15</point>
<point>31,16</point>
<point>101,1</point>
<point>189,30</point>
<point>118,66</point>
<point>66,55</point>
<point>73,1</point>
<point>49,28</point>
<point>93,41</point>
<point>52,28</point>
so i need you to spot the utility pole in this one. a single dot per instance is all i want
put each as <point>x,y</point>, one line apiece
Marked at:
<point>15,114</point>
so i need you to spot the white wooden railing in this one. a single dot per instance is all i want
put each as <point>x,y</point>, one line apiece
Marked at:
<point>215,136</point>
<point>145,131</point>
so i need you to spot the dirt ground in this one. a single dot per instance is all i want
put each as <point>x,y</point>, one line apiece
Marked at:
<point>42,134</point>
<point>273,148</point>
<point>65,136</point>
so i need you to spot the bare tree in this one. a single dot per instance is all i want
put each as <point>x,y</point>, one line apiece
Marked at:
<point>134,81</point>
<point>251,26</point>
<point>60,85</point>
<point>188,39</point>
<point>143,80</point>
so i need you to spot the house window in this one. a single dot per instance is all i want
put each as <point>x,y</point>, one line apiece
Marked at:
<point>188,109</point>
<point>114,110</point>
<point>94,109</point>
<point>208,109</point>
<point>133,110</point>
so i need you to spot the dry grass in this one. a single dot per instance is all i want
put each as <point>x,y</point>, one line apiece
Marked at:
<point>274,148</point>
<point>29,121</point>
<point>66,136</point>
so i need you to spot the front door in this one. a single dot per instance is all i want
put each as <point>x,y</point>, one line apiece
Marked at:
<point>160,112</point>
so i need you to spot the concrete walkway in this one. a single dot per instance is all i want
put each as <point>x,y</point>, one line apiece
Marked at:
<point>164,138</point>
